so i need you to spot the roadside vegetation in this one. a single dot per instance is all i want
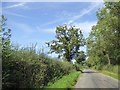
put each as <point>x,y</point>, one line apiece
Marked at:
<point>34,71</point>
<point>111,70</point>
<point>114,75</point>
<point>67,81</point>
<point>103,43</point>
<point>28,67</point>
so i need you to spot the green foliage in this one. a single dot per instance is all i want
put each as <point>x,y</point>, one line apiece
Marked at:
<point>103,43</point>
<point>66,82</point>
<point>77,67</point>
<point>27,69</point>
<point>5,34</point>
<point>81,57</point>
<point>69,40</point>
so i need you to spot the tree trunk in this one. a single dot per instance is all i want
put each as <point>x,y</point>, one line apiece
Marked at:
<point>108,59</point>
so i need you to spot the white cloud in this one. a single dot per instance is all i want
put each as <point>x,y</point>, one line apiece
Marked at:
<point>84,12</point>
<point>21,4</point>
<point>51,22</point>
<point>55,0</point>
<point>85,26</point>
<point>51,30</point>
<point>23,27</point>
<point>14,14</point>
<point>71,18</point>
<point>46,30</point>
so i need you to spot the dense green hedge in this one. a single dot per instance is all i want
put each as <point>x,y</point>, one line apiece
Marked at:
<point>26,69</point>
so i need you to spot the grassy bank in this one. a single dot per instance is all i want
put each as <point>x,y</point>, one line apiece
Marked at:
<point>114,75</point>
<point>67,81</point>
<point>110,70</point>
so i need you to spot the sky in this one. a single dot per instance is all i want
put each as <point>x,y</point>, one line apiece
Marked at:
<point>36,22</point>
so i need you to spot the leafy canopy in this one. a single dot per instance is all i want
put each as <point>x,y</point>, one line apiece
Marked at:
<point>67,43</point>
<point>103,43</point>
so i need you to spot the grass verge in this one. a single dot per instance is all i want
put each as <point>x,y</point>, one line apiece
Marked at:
<point>67,81</point>
<point>114,75</point>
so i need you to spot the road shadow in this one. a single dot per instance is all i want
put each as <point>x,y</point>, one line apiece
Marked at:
<point>89,72</point>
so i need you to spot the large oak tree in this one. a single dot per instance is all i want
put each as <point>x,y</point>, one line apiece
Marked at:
<point>68,41</point>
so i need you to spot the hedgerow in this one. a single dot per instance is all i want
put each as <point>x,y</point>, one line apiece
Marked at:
<point>25,68</point>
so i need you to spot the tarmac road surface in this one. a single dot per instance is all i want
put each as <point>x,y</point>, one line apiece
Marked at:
<point>93,79</point>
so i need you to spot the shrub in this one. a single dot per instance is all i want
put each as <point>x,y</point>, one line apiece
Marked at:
<point>99,67</point>
<point>27,69</point>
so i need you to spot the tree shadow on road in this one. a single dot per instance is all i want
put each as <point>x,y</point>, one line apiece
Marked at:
<point>89,72</point>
